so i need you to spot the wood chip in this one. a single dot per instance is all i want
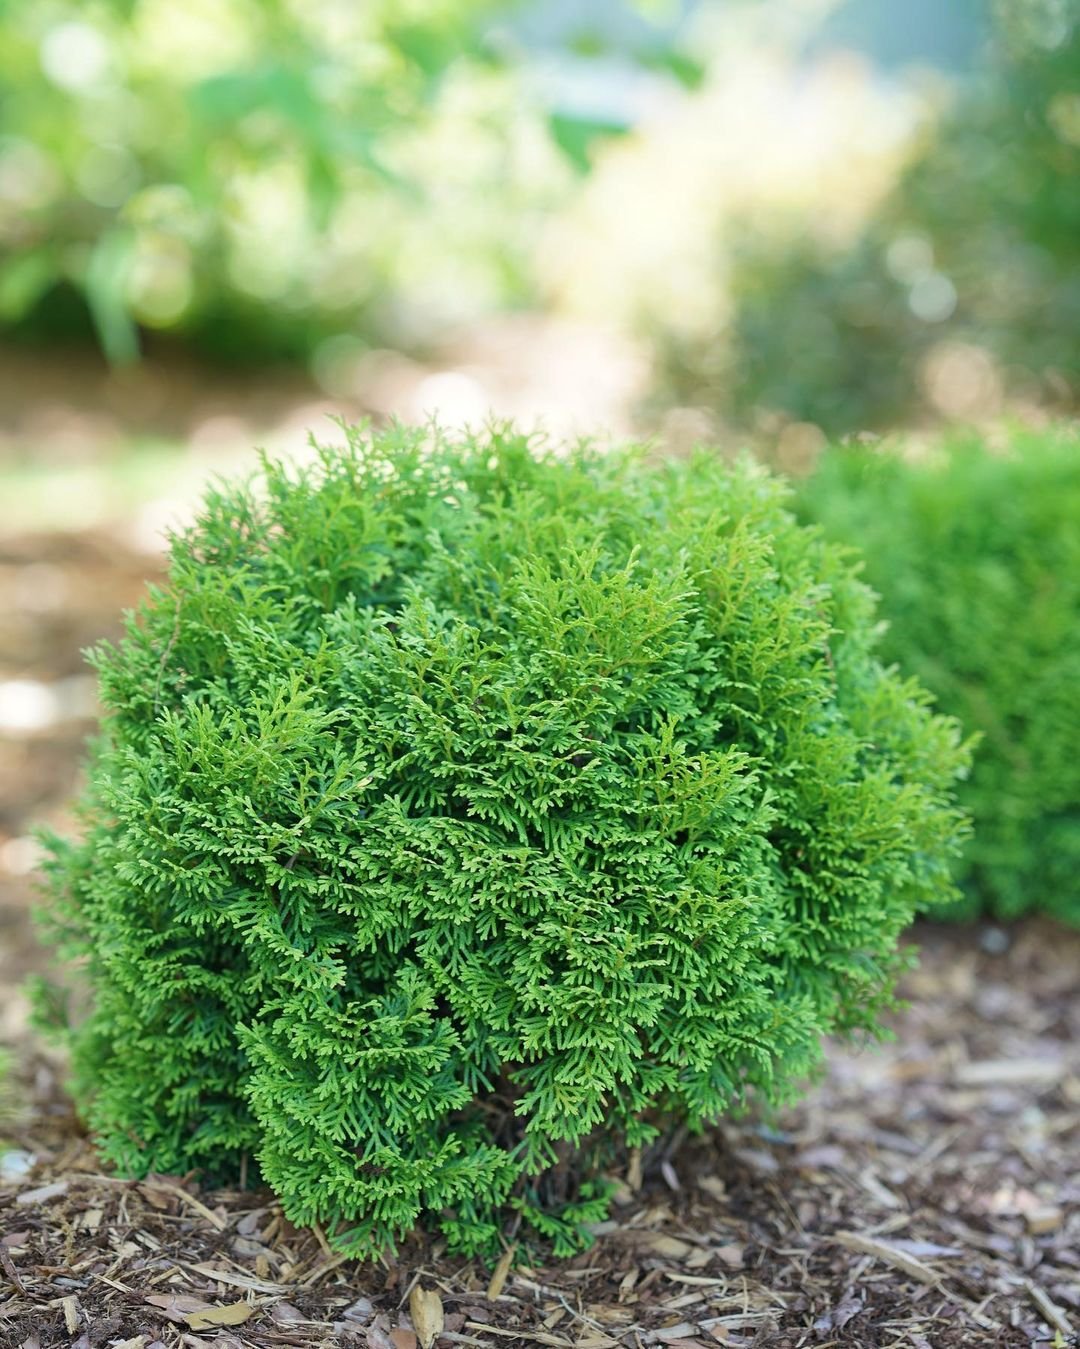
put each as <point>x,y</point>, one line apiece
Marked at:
<point>889,1254</point>
<point>671,1179</point>
<point>177,1306</point>
<point>700,1257</point>
<point>43,1193</point>
<point>501,1273</point>
<point>1049,1309</point>
<point>287,1314</point>
<point>426,1310</point>
<point>71,1314</point>
<point>926,1250</point>
<point>535,1336</point>
<point>1045,1218</point>
<point>112,1283</point>
<point>8,1266</point>
<point>633,1171</point>
<point>674,1304</point>
<point>250,1223</point>
<point>235,1314</point>
<point>1008,1072</point>
<point>874,1188</point>
<point>226,1276</point>
<point>683,1331</point>
<point>166,1187</point>
<point>321,1270</point>
<point>659,1243</point>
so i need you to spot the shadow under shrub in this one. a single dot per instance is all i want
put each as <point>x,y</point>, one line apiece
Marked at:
<point>976,556</point>
<point>464,811</point>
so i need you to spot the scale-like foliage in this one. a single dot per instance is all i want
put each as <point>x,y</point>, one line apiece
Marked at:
<point>462,808</point>
<point>976,554</point>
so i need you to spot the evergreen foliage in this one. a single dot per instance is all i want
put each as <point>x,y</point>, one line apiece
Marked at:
<point>976,555</point>
<point>463,809</point>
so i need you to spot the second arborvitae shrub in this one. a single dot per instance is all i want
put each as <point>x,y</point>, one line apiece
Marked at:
<point>463,812</point>
<point>976,555</point>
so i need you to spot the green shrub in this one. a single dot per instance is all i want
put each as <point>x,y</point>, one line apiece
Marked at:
<point>976,556</point>
<point>463,810</point>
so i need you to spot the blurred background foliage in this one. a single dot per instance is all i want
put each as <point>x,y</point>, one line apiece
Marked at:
<point>779,213</point>
<point>257,175</point>
<point>975,553</point>
<point>959,296</point>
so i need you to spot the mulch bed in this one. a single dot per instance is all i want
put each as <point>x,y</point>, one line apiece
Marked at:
<point>924,1194</point>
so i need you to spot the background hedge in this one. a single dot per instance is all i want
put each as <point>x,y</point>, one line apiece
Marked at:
<point>976,554</point>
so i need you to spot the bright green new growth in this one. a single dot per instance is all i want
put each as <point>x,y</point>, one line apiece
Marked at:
<point>976,555</point>
<point>463,811</point>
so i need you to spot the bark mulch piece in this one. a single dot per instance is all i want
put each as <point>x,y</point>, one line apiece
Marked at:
<point>925,1193</point>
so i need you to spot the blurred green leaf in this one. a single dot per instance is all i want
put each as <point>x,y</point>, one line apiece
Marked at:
<point>689,73</point>
<point>576,137</point>
<point>24,278</point>
<point>324,188</point>
<point>224,100</point>
<point>106,279</point>
<point>430,48</point>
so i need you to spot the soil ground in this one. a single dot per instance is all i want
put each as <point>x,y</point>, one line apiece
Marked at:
<point>925,1193</point>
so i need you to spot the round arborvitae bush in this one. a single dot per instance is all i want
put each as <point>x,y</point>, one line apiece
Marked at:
<point>464,811</point>
<point>977,557</point>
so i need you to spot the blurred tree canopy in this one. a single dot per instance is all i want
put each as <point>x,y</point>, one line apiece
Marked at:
<point>961,293</point>
<point>256,174</point>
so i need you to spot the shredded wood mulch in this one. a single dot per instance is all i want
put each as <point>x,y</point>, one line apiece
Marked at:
<point>926,1193</point>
